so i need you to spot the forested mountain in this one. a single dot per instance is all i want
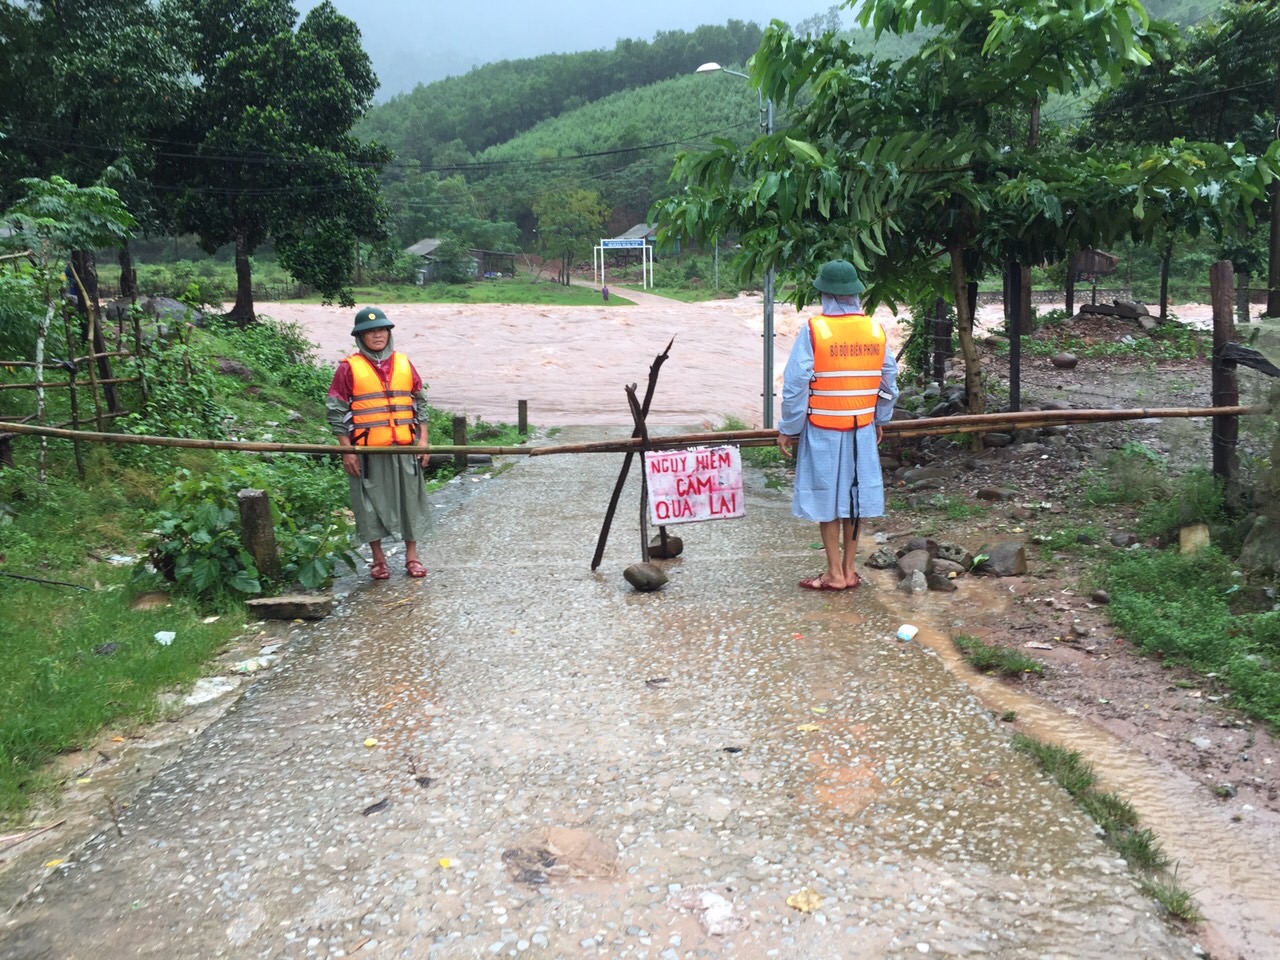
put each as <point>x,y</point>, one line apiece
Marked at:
<point>621,146</point>
<point>444,121</point>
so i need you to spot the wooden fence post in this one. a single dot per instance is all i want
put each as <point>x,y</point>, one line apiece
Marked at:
<point>522,417</point>
<point>941,341</point>
<point>459,440</point>
<point>1225,390</point>
<point>257,532</point>
<point>1016,317</point>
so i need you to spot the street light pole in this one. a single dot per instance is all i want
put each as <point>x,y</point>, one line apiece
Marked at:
<point>766,124</point>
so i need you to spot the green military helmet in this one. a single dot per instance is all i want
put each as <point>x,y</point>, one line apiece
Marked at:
<point>370,318</point>
<point>839,278</point>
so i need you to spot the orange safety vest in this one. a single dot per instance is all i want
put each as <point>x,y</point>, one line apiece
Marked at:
<point>848,353</point>
<point>382,416</point>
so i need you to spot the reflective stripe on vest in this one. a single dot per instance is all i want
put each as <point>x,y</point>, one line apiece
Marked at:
<point>848,353</point>
<point>381,416</point>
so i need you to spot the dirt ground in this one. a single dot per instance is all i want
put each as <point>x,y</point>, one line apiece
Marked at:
<point>1169,714</point>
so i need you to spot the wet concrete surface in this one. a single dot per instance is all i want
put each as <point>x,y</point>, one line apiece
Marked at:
<point>563,767</point>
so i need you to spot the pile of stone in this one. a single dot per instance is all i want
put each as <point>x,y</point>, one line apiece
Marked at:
<point>925,564</point>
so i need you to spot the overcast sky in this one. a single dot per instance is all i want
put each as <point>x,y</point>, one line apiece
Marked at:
<point>412,42</point>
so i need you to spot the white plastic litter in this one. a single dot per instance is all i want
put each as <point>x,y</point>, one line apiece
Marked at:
<point>907,632</point>
<point>254,664</point>
<point>165,637</point>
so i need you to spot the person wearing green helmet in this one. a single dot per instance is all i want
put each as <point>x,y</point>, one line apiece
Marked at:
<point>377,399</point>
<point>839,386</point>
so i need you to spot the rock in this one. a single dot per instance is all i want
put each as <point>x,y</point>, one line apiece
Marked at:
<point>1128,310</point>
<point>941,410</point>
<point>997,438</point>
<point>1064,361</point>
<point>234,368</point>
<point>1079,630</point>
<point>150,600</point>
<point>916,583</point>
<point>1100,596</point>
<point>1021,513</point>
<point>946,567</point>
<point>644,576</point>
<point>916,474</point>
<point>291,606</point>
<point>1148,323</point>
<point>940,583</point>
<point>1123,539</point>
<point>922,543</point>
<point>1087,539</point>
<point>956,554</point>
<point>932,483</point>
<point>996,493</point>
<point>915,561</point>
<point>675,547</point>
<point>882,559</point>
<point>1193,538</point>
<point>171,312</point>
<point>1261,550</point>
<point>1056,405</point>
<point>1008,559</point>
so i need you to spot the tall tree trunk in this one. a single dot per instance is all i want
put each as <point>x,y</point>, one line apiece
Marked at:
<point>964,330</point>
<point>1071,285</point>
<point>85,263</point>
<point>243,313</point>
<point>1165,256</point>
<point>1273,266</point>
<point>128,275</point>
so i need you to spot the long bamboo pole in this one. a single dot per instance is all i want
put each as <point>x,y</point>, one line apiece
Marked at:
<point>969,423</point>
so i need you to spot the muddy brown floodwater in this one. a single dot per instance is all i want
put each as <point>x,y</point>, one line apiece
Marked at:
<point>573,363</point>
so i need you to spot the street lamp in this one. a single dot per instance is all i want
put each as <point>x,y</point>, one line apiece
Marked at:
<point>766,124</point>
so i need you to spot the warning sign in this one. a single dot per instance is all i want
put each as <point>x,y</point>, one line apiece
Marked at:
<point>698,484</point>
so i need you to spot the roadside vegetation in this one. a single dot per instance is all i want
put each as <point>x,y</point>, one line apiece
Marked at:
<point>1119,823</point>
<point>77,552</point>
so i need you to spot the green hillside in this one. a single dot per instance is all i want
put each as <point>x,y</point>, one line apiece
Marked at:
<point>621,146</point>
<point>444,121</point>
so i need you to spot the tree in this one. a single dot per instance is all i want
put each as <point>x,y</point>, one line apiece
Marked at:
<point>53,218</point>
<point>1219,83</point>
<point>569,220</point>
<point>266,151</point>
<point>905,168</point>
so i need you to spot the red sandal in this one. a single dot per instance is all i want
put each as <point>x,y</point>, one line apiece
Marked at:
<point>415,569</point>
<point>378,570</point>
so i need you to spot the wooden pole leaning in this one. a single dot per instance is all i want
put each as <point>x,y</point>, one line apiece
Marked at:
<point>654,367</point>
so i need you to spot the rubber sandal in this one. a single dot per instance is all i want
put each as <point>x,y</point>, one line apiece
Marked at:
<point>378,570</point>
<point>818,583</point>
<point>415,569</point>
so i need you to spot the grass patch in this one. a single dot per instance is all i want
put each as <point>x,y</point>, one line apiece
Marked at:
<point>1179,608</point>
<point>986,658</point>
<point>953,508</point>
<point>74,662</point>
<point>519,290</point>
<point>1119,823</point>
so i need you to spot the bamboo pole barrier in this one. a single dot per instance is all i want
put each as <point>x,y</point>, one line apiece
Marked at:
<point>58,385</point>
<point>930,426</point>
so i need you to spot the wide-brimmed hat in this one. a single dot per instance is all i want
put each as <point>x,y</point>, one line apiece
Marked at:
<point>839,278</point>
<point>370,318</point>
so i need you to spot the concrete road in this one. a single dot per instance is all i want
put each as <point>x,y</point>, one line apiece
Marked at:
<point>519,757</point>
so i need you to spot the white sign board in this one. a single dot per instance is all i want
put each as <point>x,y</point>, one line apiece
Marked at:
<point>704,483</point>
<point>623,244</point>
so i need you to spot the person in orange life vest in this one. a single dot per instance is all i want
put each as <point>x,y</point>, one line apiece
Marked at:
<point>840,384</point>
<point>377,399</point>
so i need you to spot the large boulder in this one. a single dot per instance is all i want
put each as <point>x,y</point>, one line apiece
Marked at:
<point>1008,559</point>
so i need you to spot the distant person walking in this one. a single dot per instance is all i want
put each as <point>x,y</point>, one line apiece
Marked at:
<point>840,384</point>
<point>377,399</point>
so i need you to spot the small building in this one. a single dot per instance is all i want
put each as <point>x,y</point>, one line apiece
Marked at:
<point>489,264</point>
<point>425,248</point>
